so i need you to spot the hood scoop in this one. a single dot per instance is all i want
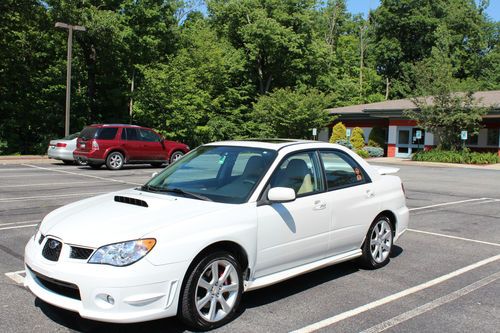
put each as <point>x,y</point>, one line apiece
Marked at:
<point>131,201</point>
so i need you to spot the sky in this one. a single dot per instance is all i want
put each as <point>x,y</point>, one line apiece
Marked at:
<point>364,6</point>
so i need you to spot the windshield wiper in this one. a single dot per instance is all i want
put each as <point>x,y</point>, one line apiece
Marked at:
<point>180,191</point>
<point>150,188</point>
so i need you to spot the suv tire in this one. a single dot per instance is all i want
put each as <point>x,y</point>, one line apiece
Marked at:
<point>115,161</point>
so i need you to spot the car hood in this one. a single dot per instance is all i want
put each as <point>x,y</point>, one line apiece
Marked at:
<point>101,220</point>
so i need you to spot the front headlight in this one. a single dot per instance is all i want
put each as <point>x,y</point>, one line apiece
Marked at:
<point>122,254</point>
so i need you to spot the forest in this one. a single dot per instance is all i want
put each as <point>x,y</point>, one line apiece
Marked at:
<point>199,71</point>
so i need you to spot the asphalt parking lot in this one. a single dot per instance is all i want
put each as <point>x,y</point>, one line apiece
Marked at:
<point>444,274</point>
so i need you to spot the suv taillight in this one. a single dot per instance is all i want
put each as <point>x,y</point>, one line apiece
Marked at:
<point>95,146</point>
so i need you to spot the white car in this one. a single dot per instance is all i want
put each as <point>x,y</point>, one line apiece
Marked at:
<point>228,217</point>
<point>62,149</point>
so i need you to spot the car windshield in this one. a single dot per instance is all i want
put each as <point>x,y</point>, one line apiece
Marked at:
<point>224,174</point>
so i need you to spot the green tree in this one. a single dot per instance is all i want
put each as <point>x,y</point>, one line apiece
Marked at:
<point>338,132</point>
<point>287,113</point>
<point>357,138</point>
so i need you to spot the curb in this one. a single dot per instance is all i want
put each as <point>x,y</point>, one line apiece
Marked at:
<point>395,161</point>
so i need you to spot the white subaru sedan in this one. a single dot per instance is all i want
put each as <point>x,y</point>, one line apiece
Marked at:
<point>228,217</point>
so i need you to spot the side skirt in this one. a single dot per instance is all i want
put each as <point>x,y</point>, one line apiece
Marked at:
<point>290,273</point>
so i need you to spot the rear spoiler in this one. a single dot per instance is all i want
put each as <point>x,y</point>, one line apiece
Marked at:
<point>382,170</point>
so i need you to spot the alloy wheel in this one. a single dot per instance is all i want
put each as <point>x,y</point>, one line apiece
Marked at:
<point>381,241</point>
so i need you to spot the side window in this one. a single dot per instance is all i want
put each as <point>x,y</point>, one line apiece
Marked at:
<point>300,172</point>
<point>131,134</point>
<point>341,170</point>
<point>147,135</point>
<point>107,133</point>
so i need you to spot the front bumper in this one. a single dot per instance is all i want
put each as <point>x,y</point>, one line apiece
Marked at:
<point>140,292</point>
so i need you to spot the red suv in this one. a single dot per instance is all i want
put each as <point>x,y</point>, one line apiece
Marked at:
<point>117,144</point>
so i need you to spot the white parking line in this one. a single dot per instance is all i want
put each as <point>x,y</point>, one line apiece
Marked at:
<point>48,197</point>
<point>49,184</point>
<point>452,237</point>
<point>20,222</point>
<point>17,277</point>
<point>433,304</point>
<point>79,174</point>
<point>19,226</point>
<point>447,204</point>
<point>354,312</point>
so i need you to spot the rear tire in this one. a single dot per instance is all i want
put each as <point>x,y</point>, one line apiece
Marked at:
<point>115,161</point>
<point>378,243</point>
<point>212,291</point>
<point>80,162</point>
<point>175,156</point>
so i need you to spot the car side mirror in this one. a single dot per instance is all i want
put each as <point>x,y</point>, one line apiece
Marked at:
<point>281,194</point>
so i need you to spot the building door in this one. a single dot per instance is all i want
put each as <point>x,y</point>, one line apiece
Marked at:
<point>408,141</point>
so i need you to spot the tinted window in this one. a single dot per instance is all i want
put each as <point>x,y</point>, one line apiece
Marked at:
<point>88,133</point>
<point>493,137</point>
<point>300,172</point>
<point>131,134</point>
<point>341,170</point>
<point>71,136</point>
<point>147,135</point>
<point>107,133</point>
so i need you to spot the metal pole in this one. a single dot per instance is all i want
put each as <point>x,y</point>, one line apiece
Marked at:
<point>68,80</point>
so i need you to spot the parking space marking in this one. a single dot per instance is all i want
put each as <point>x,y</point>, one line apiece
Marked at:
<point>51,184</point>
<point>433,304</point>
<point>448,203</point>
<point>453,237</point>
<point>48,197</point>
<point>79,174</point>
<point>363,308</point>
<point>20,222</point>
<point>17,277</point>
<point>19,226</point>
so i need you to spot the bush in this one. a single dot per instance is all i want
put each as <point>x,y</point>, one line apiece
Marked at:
<point>374,151</point>
<point>357,138</point>
<point>338,133</point>
<point>377,135</point>
<point>363,153</point>
<point>452,156</point>
<point>344,143</point>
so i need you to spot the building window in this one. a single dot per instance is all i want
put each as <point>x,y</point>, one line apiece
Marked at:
<point>472,139</point>
<point>493,137</point>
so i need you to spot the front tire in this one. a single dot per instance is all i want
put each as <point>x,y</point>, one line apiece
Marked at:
<point>378,243</point>
<point>212,292</point>
<point>115,161</point>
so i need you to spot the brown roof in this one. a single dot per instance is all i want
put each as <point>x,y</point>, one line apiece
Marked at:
<point>486,98</point>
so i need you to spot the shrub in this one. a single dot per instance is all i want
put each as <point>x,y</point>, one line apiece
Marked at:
<point>363,153</point>
<point>344,143</point>
<point>374,151</point>
<point>377,135</point>
<point>452,156</point>
<point>338,133</point>
<point>357,138</point>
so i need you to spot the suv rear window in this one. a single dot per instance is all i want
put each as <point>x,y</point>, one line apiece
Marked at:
<point>107,133</point>
<point>88,133</point>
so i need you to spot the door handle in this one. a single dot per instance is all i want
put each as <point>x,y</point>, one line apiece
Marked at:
<point>370,194</point>
<point>319,205</point>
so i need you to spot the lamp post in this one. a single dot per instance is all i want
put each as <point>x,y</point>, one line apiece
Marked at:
<point>68,70</point>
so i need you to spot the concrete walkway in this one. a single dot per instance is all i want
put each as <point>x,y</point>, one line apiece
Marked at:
<point>14,159</point>
<point>407,162</point>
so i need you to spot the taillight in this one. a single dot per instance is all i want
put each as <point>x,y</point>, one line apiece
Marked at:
<point>95,145</point>
<point>61,145</point>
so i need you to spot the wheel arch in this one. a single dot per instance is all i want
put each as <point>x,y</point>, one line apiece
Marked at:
<point>112,150</point>
<point>392,219</point>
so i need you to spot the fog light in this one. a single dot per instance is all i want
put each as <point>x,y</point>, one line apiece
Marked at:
<point>104,301</point>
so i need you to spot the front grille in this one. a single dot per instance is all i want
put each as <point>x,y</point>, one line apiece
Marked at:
<point>80,252</point>
<point>59,287</point>
<point>52,249</point>
<point>131,201</point>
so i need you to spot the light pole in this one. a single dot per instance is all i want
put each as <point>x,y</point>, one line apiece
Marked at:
<point>68,70</point>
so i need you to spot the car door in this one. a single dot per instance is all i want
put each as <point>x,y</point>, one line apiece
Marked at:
<point>152,147</point>
<point>352,197</point>
<point>131,142</point>
<point>294,233</point>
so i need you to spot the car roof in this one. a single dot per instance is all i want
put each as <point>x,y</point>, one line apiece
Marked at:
<point>114,125</point>
<point>273,144</point>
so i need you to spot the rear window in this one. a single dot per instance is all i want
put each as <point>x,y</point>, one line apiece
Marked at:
<point>107,133</point>
<point>88,133</point>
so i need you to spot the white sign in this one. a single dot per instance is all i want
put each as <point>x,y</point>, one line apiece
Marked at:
<point>348,132</point>
<point>463,135</point>
<point>315,131</point>
<point>418,134</point>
